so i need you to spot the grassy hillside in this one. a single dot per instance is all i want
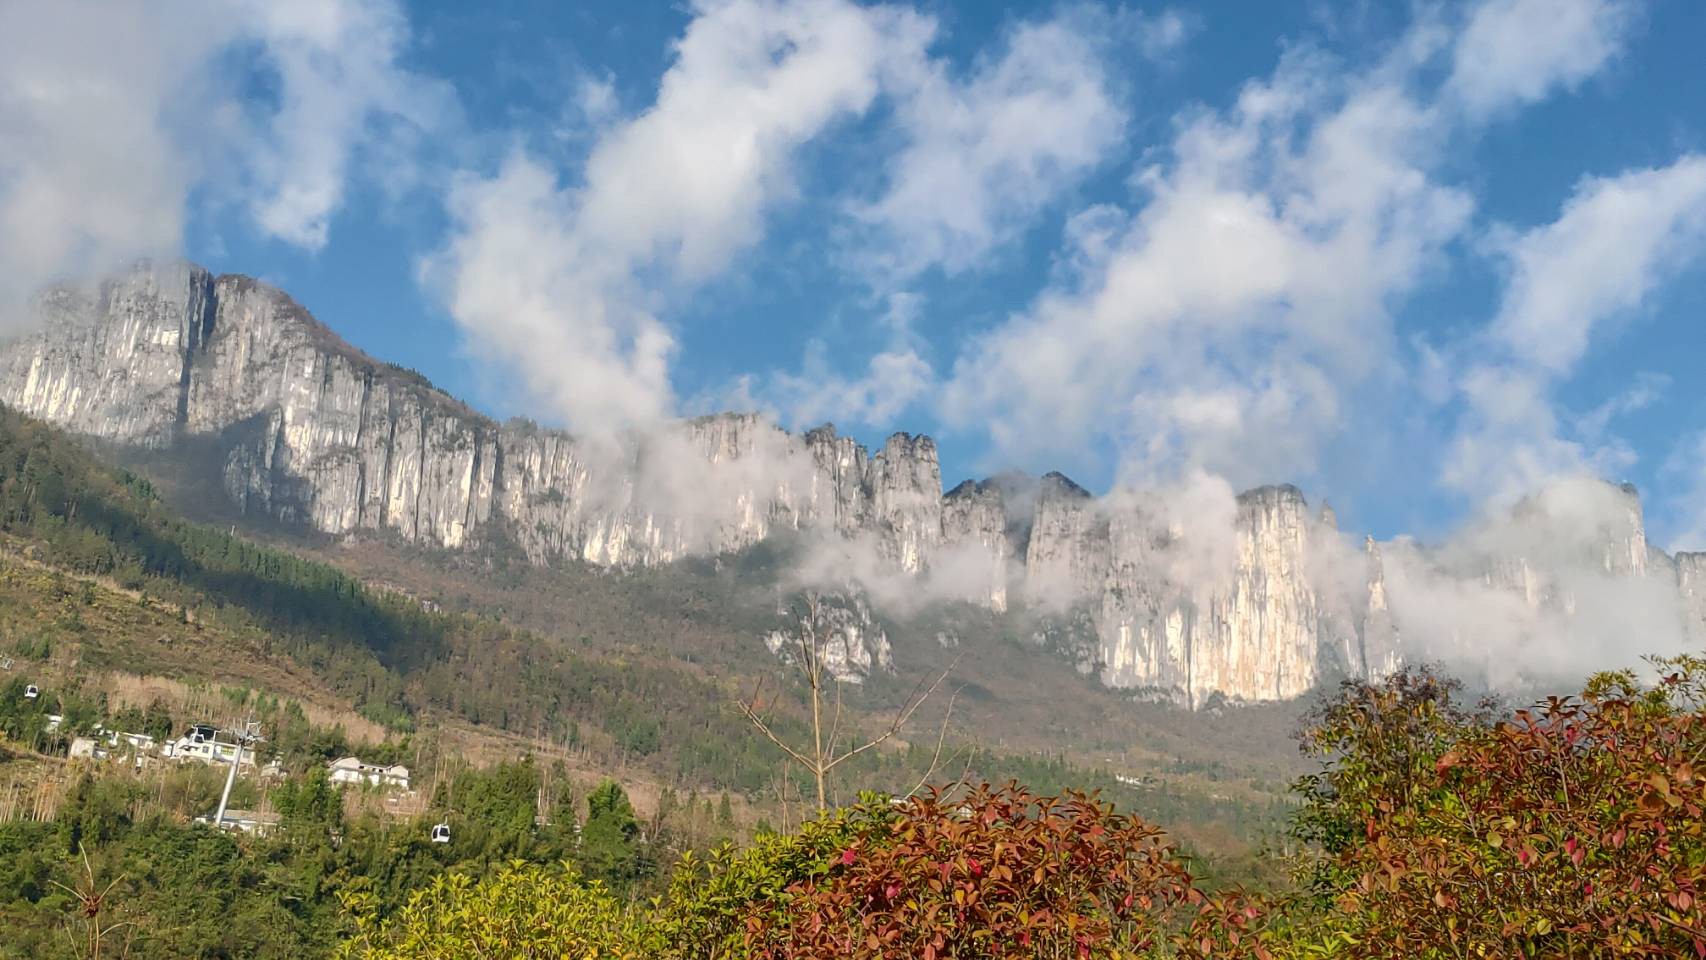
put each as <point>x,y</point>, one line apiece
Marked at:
<point>628,673</point>
<point>514,692</point>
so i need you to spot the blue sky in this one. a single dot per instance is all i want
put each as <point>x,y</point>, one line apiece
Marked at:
<point>1414,258</point>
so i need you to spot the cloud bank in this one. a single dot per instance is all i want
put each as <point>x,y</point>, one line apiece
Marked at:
<point>1228,317</point>
<point>115,119</point>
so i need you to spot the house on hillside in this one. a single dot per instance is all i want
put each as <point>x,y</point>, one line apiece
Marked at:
<point>352,770</point>
<point>106,744</point>
<point>249,821</point>
<point>87,748</point>
<point>134,742</point>
<point>201,743</point>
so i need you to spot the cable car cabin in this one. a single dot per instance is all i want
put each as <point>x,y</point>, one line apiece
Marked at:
<point>441,833</point>
<point>31,692</point>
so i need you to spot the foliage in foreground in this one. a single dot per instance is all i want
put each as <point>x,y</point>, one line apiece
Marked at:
<point>996,873</point>
<point>1572,829</point>
<point>1038,876</point>
<point>522,912</point>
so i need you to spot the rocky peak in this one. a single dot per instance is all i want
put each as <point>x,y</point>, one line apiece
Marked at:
<point>1057,485</point>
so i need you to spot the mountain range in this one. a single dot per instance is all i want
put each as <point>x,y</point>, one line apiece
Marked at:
<point>1264,600</point>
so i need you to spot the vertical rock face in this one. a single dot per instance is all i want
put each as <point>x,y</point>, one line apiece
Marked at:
<point>976,547</point>
<point>1691,583</point>
<point>1378,633</point>
<point>851,643</point>
<point>313,432</point>
<point>1264,633</point>
<point>1067,551</point>
<point>1267,629</point>
<point>905,483</point>
<point>1554,543</point>
<point>317,434</point>
<point>113,363</point>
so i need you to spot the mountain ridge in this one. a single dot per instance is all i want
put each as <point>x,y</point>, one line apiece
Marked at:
<point>315,433</point>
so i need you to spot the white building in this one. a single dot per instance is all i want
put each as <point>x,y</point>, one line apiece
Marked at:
<point>87,748</point>
<point>201,742</point>
<point>352,770</point>
<point>138,742</point>
<point>248,821</point>
<point>106,744</point>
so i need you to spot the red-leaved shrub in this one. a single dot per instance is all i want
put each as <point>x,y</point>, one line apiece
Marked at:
<point>996,873</point>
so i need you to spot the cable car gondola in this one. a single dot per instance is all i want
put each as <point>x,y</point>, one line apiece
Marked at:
<point>441,833</point>
<point>31,692</point>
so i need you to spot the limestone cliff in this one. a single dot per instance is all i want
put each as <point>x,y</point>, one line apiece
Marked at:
<point>1272,629</point>
<point>1691,577</point>
<point>317,434</point>
<point>312,432</point>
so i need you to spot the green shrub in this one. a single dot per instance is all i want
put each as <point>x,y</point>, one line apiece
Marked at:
<point>523,912</point>
<point>704,913</point>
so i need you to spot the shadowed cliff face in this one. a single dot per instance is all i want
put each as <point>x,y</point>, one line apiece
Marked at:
<point>1266,602</point>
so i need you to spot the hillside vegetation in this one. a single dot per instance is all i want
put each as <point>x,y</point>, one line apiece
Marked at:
<point>1574,829</point>
<point>539,747</point>
<point>615,670</point>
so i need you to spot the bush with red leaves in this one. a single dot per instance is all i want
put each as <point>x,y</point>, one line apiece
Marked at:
<point>997,873</point>
<point>1573,829</point>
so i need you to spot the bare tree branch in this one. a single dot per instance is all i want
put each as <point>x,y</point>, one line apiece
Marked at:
<point>746,709</point>
<point>835,725</point>
<point>941,737</point>
<point>824,756</point>
<point>908,708</point>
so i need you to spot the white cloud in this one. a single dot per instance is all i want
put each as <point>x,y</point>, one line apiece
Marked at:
<point>1614,242</point>
<point>339,85</point>
<point>1238,315</point>
<point>893,380</point>
<point>565,278</point>
<point>555,280</point>
<point>1643,391</point>
<point>1161,36</point>
<point>112,115</point>
<point>1517,52</point>
<point>1510,440</point>
<point>94,165</point>
<point>984,155</point>
<point>533,293</point>
<point>1220,324</point>
<point>595,99</point>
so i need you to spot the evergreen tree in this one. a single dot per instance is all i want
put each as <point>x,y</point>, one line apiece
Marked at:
<point>609,843</point>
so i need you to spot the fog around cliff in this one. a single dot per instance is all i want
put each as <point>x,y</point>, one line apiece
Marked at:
<point>1228,315</point>
<point>1553,592</point>
<point>1222,330</point>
